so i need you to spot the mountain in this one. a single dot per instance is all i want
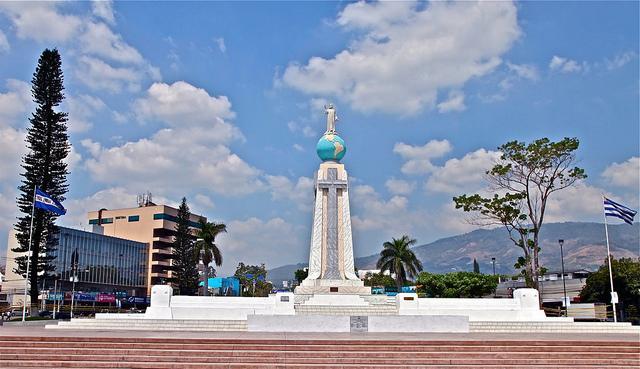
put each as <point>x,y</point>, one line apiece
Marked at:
<point>584,248</point>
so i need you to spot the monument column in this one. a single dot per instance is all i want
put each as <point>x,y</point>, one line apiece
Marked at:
<point>331,266</point>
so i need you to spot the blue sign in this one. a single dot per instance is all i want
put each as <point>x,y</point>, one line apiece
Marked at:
<point>137,300</point>
<point>55,296</point>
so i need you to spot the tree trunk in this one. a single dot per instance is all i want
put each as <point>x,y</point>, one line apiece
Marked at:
<point>206,280</point>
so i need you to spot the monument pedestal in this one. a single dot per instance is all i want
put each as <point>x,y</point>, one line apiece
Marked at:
<point>331,268</point>
<point>332,286</point>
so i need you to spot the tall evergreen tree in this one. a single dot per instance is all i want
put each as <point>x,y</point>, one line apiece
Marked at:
<point>43,166</point>
<point>185,259</point>
<point>476,266</point>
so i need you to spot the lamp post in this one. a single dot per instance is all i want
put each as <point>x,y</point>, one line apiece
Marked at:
<point>493,263</point>
<point>564,285</point>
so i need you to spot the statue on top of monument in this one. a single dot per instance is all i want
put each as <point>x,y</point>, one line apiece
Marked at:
<point>332,117</point>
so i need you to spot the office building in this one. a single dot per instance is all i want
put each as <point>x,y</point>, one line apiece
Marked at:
<point>105,264</point>
<point>149,223</point>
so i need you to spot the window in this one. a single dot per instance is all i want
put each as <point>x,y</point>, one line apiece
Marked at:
<point>134,218</point>
<point>174,219</point>
<point>104,221</point>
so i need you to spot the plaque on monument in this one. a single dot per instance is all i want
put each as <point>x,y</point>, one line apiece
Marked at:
<point>359,324</point>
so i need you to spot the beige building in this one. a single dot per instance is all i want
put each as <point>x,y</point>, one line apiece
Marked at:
<point>151,224</point>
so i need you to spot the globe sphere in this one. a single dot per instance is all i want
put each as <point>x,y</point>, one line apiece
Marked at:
<point>331,147</point>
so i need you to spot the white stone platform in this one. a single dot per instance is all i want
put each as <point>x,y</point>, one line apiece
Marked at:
<point>342,313</point>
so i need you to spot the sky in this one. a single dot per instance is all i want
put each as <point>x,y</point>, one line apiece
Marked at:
<point>222,102</point>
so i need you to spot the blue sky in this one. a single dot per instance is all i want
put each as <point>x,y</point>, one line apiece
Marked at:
<point>222,103</point>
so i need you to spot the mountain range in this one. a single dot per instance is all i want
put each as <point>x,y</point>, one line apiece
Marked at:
<point>584,248</point>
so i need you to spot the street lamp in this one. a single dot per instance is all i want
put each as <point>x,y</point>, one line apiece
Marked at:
<point>564,285</point>
<point>493,262</point>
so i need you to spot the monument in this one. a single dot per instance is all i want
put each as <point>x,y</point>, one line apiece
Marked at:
<point>331,298</point>
<point>331,269</point>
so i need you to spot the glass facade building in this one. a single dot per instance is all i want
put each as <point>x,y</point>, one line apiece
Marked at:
<point>104,262</point>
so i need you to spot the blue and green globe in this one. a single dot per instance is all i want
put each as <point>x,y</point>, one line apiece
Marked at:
<point>331,147</point>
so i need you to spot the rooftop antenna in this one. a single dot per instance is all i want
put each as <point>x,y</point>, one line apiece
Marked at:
<point>145,199</point>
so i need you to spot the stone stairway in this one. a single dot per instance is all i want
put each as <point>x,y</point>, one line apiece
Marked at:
<point>304,353</point>
<point>554,327</point>
<point>152,325</point>
<point>346,305</point>
<point>353,310</point>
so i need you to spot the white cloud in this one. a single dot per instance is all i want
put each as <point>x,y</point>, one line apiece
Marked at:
<point>119,117</point>
<point>580,202</point>
<point>513,74</point>
<point>565,65</point>
<point>12,148</point>
<point>620,60</point>
<point>524,71</point>
<point>15,103</point>
<point>41,21</point>
<point>300,192</point>
<point>625,174</point>
<point>110,198</point>
<point>192,152</point>
<point>465,174</point>
<point>8,211</point>
<point>455,102</point>
<point>221,45</point>
<point>307,131</point>
<point>400,186</point>
<point>298,147</point>
<point>409,52</point>
<point>73,158</point>
<point>103,9</point>
<point>253,241</point>
<point>418,158</point>
<point>4,43</point>
<point>203,201</point>
<point>81,109</point>
<point>99,75</point>
<point>392,217</point>
<point>92,44</point>
<point>99,40</point>
<point>182,103</point>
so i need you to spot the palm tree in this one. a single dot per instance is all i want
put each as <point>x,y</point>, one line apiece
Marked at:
<point>206,247</point>
<point>397,258</point>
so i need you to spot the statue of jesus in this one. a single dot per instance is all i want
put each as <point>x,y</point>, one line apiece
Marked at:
<point>330,110</point>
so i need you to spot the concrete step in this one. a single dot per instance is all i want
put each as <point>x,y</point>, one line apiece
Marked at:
<point>152,325</point>
<point>13,353</point>
<point>288,359</point>
<point>346,310</point>
<point>550,326</point>
<point>346,349</point>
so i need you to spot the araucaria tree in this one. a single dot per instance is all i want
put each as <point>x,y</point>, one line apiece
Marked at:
<point>43,166</point>
<point>185,259</point>
<point>523,180</point>
<point>398,258</point>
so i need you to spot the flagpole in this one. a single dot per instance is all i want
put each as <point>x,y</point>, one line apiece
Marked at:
<point>606,232</point>
<point>26,280</point>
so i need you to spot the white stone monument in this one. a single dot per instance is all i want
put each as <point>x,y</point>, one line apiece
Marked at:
<point>331,269</point>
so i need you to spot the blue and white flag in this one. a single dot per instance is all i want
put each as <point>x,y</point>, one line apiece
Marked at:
<point>46,202</point>
<point>613,209</point>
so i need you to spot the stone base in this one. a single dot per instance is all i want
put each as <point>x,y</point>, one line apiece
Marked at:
<point>332,286</point>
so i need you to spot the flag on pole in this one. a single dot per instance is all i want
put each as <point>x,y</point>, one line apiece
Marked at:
<point>46,202</point>
<point>613,209</point>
